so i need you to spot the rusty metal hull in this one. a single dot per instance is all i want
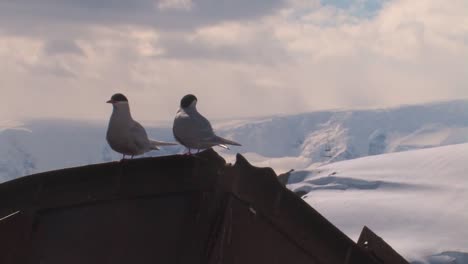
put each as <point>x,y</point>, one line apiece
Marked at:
<point>175,209</point>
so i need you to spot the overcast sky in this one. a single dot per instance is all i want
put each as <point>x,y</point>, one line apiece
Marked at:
<point>65,58</point>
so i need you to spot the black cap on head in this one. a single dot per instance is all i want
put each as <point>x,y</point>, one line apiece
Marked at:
<point>118,97</point>
<point>187,100</point>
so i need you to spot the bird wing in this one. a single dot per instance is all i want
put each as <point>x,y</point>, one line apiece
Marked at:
<point>222,142</point>
<point>195,128</point>
<point>204,127</point>
<point>208,135</point>
<point>140,138</point>
<point>192,127</point>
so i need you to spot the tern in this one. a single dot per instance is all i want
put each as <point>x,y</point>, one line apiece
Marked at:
<point>125,135</point>
<point>193,130</point>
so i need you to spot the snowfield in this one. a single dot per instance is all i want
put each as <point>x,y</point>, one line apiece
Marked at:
<point>416,200</point>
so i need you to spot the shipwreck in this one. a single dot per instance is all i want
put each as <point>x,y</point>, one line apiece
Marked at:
<point>171,209</point>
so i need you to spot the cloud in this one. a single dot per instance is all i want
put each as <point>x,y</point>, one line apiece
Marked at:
<point>175,4</point>
<point>240,58</point>
<point>162,14</point>
<point>233,42</point>
<point>61,47</point>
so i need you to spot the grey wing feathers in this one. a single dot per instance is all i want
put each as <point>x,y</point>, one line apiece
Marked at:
<point>142,140</point>
<point>204,126</point>
<point>195,131</point>
<point>192,128</point>
<point>139,135</point>
<point>210,136</point>
<point>223,141</point>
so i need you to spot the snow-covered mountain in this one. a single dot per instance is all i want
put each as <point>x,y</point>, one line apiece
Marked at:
<point>283,142</point>
<point>341,135</point>
<point>416,200</point>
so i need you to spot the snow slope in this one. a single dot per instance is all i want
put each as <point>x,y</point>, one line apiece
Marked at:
<point>416,200</point>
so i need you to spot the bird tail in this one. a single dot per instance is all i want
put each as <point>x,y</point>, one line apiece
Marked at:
<point>222,142</point>
<point>156,144</point>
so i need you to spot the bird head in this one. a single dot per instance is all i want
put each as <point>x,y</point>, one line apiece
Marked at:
<point>189,100</point>
<point>118,98</point>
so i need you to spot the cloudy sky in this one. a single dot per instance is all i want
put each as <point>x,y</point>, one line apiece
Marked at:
<point>65,58</point>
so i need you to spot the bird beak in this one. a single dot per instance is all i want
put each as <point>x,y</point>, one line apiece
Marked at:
<point>110,102</point>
